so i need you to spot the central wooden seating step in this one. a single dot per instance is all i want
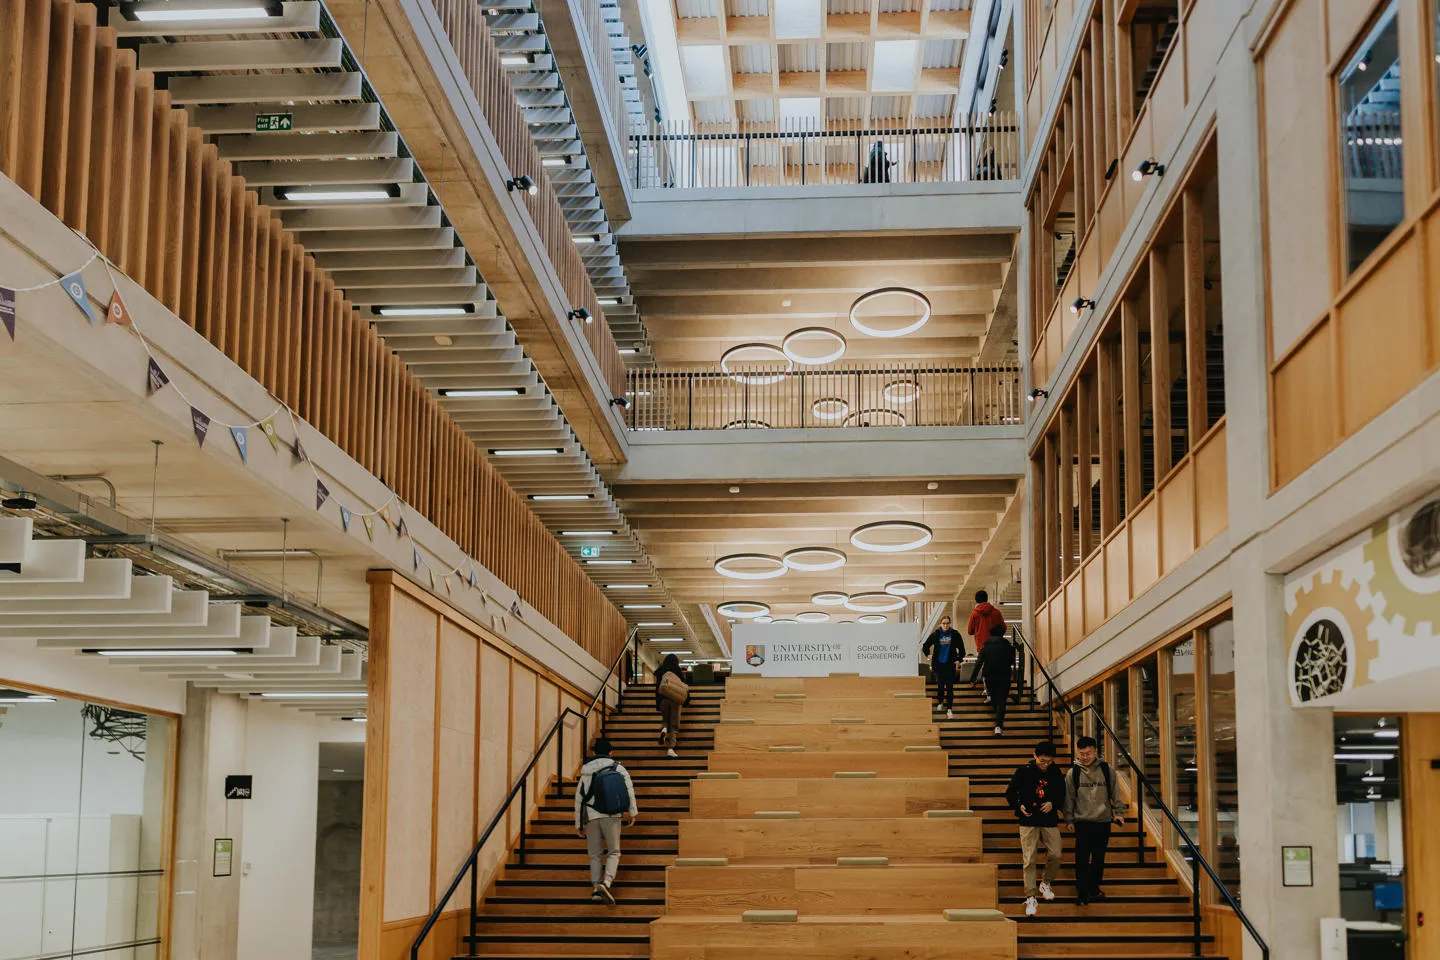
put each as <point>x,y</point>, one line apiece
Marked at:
<point>829,890</point>
<point>720,799</point>
<point>832,938</point>
<point>823,710</point>
<point>891,763</point>
<point>901,839</point>
<point>825,737</point>
<point>746,687</point>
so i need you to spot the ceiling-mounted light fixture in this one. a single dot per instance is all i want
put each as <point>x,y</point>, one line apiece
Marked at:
<point>750,566</point>
<point>338,193</point>
<point>891,536</point>
<point>492,393</point>
<point>527,451</point>
<point>812,616</point>
<point>904,390</point>
<point>905,588</point>
<point>609,563</point>
<point>435,310</point>
<point>829,598</point>
<point>584,238</point>
<point>743,609</point>
<point>764,619</point>
<point>814,558</point>
<point>874,417</point>
<point>150,652</point>
<point>515,60</point>
<point>522,182</point>
<point>830,408</point>
<point>21,501</point>
<point>560,497</point>
<point>587,533</point>
<point>1081,303</point>
<point>873,602</point>
<point>627,586</point>
<point>915,295</point>
<point>1147,168</point>
<point>755,379</point>
<point>580,313</point>
<point>183,12</point>
<point>1037,394</point>
<point>806,334</point>
<point>745,423</point>
<point>555,162</point>
<point>642,606</point>
<point>20,696</point>
<point>873,618</point>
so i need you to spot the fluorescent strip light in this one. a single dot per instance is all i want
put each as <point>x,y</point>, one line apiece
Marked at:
<point>609,563</point>
<point>439,311</point>
<point>1364,756</point>
<point>554,162</point>
<point>188,652</point>
<point>587,533</point>
<point>38,698</point>
<point>657,623</point>
<point>522,452</point>
<point>354,719</point>
<point>562,496</point>
<point>515,61</point>
<point>628,351</point>
<point>609,301</point>
<point>483,394</point>
<point>163,14</point>
<point>316,194</point>
<point>643,606</point>
<point>683,653</point>
<point>627,586</point>
<point>314,695</point>
<point>1372,779</point>
<point>586,238</point>
<point>1391,734</point>
<point>666,640</point>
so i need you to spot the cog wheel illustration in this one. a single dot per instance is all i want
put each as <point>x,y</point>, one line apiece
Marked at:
<point>1404,552</point>
<point>1333,636</point>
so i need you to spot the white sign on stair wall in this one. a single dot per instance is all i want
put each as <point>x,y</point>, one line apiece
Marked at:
<point>820,649</point>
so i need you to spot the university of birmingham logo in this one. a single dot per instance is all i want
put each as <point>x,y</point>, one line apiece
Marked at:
<point>754,654</point>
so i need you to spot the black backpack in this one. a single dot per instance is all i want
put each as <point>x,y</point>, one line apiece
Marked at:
<point>1075,779</point>
<point>607,792</point>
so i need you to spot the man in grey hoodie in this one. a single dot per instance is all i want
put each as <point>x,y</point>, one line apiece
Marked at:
<point>1093,805</point>
<point>599,807</point>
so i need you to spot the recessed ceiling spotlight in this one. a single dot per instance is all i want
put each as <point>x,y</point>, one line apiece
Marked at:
<point>874,602</point>
<point>730,357</point>
<point>812,616</point>
<point>914,325</point>
<point>827,338</point>
<point>21,501</point>
<point>829,598</point>
<point>750,566</point>
<point>743,609</point>
<point>891,536</point>
<point>784,303</point>
<point>814,558</point>
<point>905,588</point>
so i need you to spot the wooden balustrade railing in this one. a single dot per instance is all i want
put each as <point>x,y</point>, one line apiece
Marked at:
<point>596,35</point>
<point>464,24</point>
<point>87,134</point>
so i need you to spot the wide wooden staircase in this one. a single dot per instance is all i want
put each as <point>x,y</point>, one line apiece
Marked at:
<point>790,804</point>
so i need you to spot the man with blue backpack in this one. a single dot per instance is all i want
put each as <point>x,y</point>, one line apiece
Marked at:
<point>603,797</point>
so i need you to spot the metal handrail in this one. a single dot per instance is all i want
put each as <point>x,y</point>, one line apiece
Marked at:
<point>1197,859</point>
<point>520,789</point>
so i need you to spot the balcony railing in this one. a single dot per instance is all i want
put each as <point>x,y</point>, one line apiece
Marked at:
<point>682,155</point>
<point>595,33</point>
<point>766,396</point>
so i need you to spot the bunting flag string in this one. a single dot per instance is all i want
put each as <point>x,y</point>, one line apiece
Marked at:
<point>242,443</point>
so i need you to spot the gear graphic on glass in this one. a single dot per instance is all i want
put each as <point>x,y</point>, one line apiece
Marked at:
<point>1404,553</point>
<point>1331,606</point>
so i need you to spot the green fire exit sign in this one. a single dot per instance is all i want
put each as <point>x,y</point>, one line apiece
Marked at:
<point>589,551</point>
<point>269,122</point>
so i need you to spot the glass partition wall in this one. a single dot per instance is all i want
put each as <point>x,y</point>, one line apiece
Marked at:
<point>1173,710</point>
<point>84,828</point>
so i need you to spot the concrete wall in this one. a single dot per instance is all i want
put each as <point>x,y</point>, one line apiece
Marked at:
<point>337,861</point>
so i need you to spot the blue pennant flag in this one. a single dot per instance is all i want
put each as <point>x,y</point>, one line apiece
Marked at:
<point>345,518</point>
<point>74,285</point>
<point>242,443</point>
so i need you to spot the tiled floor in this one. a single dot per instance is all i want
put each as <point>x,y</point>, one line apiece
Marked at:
<point>333,951</point>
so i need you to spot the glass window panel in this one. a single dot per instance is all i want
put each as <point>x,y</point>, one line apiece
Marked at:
<point>1220,665</point>
<point>1372,153</point>
<point>1369,819</point>
<point>1120,694</point>
<point>1147,718</point>
<point>1185,803</point>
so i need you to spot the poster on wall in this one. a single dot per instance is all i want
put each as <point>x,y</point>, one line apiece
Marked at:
<point>1367,611</point>
<point>820,649</point>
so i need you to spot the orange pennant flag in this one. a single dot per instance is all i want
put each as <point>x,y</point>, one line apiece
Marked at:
<point>117,312</point>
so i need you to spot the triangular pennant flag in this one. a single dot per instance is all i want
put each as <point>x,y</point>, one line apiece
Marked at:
<point>322,493</point>
<point>242,442</point>
<point>116,311</point>
<point>300,455</point>
<point>446,578</point>
<point>369,522</point>
<point>385,514</point>
<point>400,529</point>
<point>432,577</point>
<point>344,518</point>
<point>474,580</point>
<point>155,378</point>
<point>201,423</point>
<point>267,427</point>
<point>416,556</point>
<point>7,310</point>
<point>515,606</point>
<point>74,285</point>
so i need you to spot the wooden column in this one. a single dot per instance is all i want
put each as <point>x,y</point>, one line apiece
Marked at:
<point>1161,377</point>
<point>1192,228</point>
<point>1084,435</point>
<point>1107,383</point>
<point>1067,488</point>
<point>1039,579</point>
<point>1124,76</point>
<point>1130,392</point>
<point>1052,516</point>
<point>1204,755</point>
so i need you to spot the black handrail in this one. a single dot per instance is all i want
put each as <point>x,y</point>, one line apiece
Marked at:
<point>1197,860</point>
<point>472,862</point>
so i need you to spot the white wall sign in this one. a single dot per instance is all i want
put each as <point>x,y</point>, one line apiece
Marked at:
<point>819,649</point>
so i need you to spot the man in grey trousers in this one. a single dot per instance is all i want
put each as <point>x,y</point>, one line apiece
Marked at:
<point>603,797</point>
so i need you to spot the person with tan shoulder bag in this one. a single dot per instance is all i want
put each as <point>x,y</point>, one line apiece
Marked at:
<point>671,693</point>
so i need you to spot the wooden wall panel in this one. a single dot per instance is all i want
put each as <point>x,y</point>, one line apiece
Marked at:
<point>1303,391</point>
<point>522,727</point>
<point>1422,841</point>
<point>1167,97</point>
<point>1093,577</point>
<point>455,778</point>
<point>1396,292</point>
<point>494,762</point>
<point>1117,572</point>
<point>1177,517</point>
<point>1212,509</point>
<point>1145,547</point>
<point>1074,613</point>
<point>410,739</point>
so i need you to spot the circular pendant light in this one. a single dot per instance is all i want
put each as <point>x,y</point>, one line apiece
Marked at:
<point>830,408</point>
<point>769,350</point>
<point>891,536</point>
<point>812,616</point>
<point>814,558</point>
<point>826,339</point>
<point>904,390</point>
<point>783,620</point>
<point>750,566</point>
<point>874,417</point>
<point>764,620</point>
<point>875,602</point>
<point>873,295</point>
<point>829,598</point>
<point>873,618</point>
<point>746,424</point>
<point>743,609</point>
<point>905,588</point>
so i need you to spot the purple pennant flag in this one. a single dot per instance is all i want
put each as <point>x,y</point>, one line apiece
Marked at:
<point>201,423</point>
<point>74,286</point>
<point>344,518</point>
<point>415,552</point>
<point>322,493</point>
<point>155,378</point>
<point>7,310</point>
<point>242,443</point>
<point>515,607</point>
<point>401,530</point>
<point>300,455</point>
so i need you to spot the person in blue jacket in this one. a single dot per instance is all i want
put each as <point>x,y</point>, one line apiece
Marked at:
<point>946,647</point>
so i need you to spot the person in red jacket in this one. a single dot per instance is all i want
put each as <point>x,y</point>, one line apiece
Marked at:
<point>982,618</point>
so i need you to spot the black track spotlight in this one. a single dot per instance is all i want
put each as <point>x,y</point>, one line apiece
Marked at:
<point>1004,58</point>
<point>620,402</point>
<point>21,501</point>
<point>580,313</point>
<point>1147,168</point>
<point>522,182</point>
<point>1082,303</point>
<point>1038,394</point>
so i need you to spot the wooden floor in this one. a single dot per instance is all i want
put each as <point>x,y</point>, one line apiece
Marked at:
<point>541,909</point>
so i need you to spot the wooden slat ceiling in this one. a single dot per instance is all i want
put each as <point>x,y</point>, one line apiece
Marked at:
<point>863,60</point>
<point>702,296</point>
<point>398,252</point>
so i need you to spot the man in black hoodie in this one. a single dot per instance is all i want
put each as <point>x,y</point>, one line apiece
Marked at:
<point>997,662</point>
<point>1037,795</point>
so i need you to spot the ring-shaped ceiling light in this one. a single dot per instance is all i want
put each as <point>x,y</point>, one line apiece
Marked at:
<point>750,566</point>
<point>830,408</point>
<point>903,390</point>
<point>783,620</point>
<point>829,598</point>
<point>728,357</point>
<point>814,558</point>
<point>764,619</point>
<point>873,618</point>
<point>806,334</point>
<point>743,609</point>
<point>905,588</point>
<point>874,602</point>
<point>746,424</point>
<point>865,298</point>
<point>874,417</point>
<point>812,616</point>
<point>891,536</point>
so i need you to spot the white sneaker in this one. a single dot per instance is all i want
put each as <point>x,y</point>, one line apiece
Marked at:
<point>949,714</point>
<point>672,754</point>
<point>1045,891</point>
<point>1031,907</point>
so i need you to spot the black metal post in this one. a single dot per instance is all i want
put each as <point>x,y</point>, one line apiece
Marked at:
<point>524,808</point>
<point>802,159</point>
<point>972,399</point>
<point>747,159</point>
<point>584,736</point>
<point>1139,818</point>
<point>1195,895</point>
<point>560,754</point>
<point>474,896</point>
